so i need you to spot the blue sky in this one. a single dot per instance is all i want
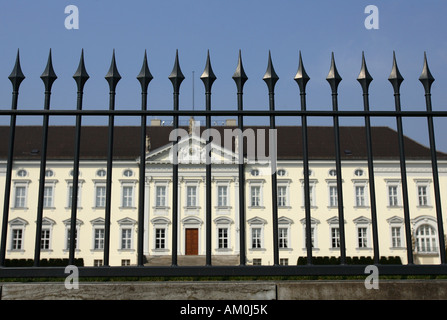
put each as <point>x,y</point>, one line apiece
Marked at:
<point>224,27</point>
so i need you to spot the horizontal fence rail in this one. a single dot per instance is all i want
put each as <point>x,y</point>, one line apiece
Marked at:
<point>208,77</point>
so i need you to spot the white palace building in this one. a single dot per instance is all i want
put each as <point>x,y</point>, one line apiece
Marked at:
<point>158,224</point>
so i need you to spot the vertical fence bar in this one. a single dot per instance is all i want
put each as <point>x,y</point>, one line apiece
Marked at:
<point>208,78</point>
<point>270,78</point>
<point>365,79</point>
<point>334,80</point>
<point>240,78</point>
<point>16,77</point>
<point>396,80</point>
<point>80,77</point>
<point>144,77</point>
<point>427,79</point>
<point>112,78</point>
<point>176,78</point>
<point>302,78</point>
<point>48,77</point>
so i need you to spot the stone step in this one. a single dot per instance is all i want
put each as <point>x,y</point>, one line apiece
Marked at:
<point>192,260</point>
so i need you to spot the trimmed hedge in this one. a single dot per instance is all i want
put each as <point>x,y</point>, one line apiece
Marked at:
<point>43,263</point>
<point>350,260</point>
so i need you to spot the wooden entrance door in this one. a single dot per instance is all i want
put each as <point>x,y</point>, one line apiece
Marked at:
<point>192,242</point>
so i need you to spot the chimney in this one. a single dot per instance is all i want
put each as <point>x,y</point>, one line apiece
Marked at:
<point>155,122</point>
<point>231,122</point>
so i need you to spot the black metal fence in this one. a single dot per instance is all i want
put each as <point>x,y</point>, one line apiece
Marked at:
<point>208,77</point>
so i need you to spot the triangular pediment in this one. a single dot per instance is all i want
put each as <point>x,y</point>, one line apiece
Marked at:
<point>192,150</point>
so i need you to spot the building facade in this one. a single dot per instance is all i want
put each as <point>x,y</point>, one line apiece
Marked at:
<point>191,202</point>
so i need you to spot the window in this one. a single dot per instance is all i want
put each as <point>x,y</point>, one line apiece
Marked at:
<point>312,198</point>
<point>100,196</point>
<point>68,237</point>
<point>97,263</point>
<point>426,239</point>
<point>359,173</point>
<point>333,196</point>
<point>128,173</point>
<point>257,262</point>
<point>283,237</point>
<point>22,173</point>
<point>17,239</point>
<point>127,200</point>
<point>313,232</point>
<point>282,196</point>
<point>45,239</point>
<point>422,196</point>
<point>48,196</point>
<point>335,237</point>
<point>333,173</point>
<point>392,196</point>
<point>256,238</point>
<point>70,195</point>
<point>125,262</point>
<point>222,238</point>
<point>72,172</point>
<point>281,172</point>
<point>360,196</point>
<point>283,262</point>
<point>101,173</point>
<point>160,200</point>
<point>49,173</point>
<point>191,196</point>
<point>255,196</point>
<point>99,239</point>
<point>126,238</point>
<point>20,196</point>
<point>254,172</point>
<point>160,238</point>
<point>222,196</point>
<point>396,238</point>
<point>362,237</point>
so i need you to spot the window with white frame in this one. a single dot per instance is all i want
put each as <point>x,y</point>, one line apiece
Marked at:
<point>126,238</point>
<point>17,232</point>
<point>426,239</point>
<point>17,239</point>
<point>127,196</point>
<point>360,197</point>
<point>126,232</point>
<point>283,237</point>
<point>222,196</point>
<point>160,234</point>
<point>422,195</point>
<point>191,196</point>
<point>98,238</point>
<point>128,173</point>
<point>256,238</point>
<point>282,196</point>
<point>333,195</point>
<point>359,172</point>
<point>70,195</point>
<point>281,172</point>
<point>312,193</point>
<point>160,196</point>
<point>393,200</point>
<point>45,235</point>
<point>100,195</point>
<point>362,232</point>
<point>313,231</point>
<point>255,195</point>
<point>49,173</point>
<point>335,237</point>
<point>20,192</point>
<point>222,238</point>
<point>256,232</point>
<point>22,173</point>
<point>160,238</point>
<point>396,232</point>
<point>48,196</point>
<point>68,237</point>
<point>101,173</point>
